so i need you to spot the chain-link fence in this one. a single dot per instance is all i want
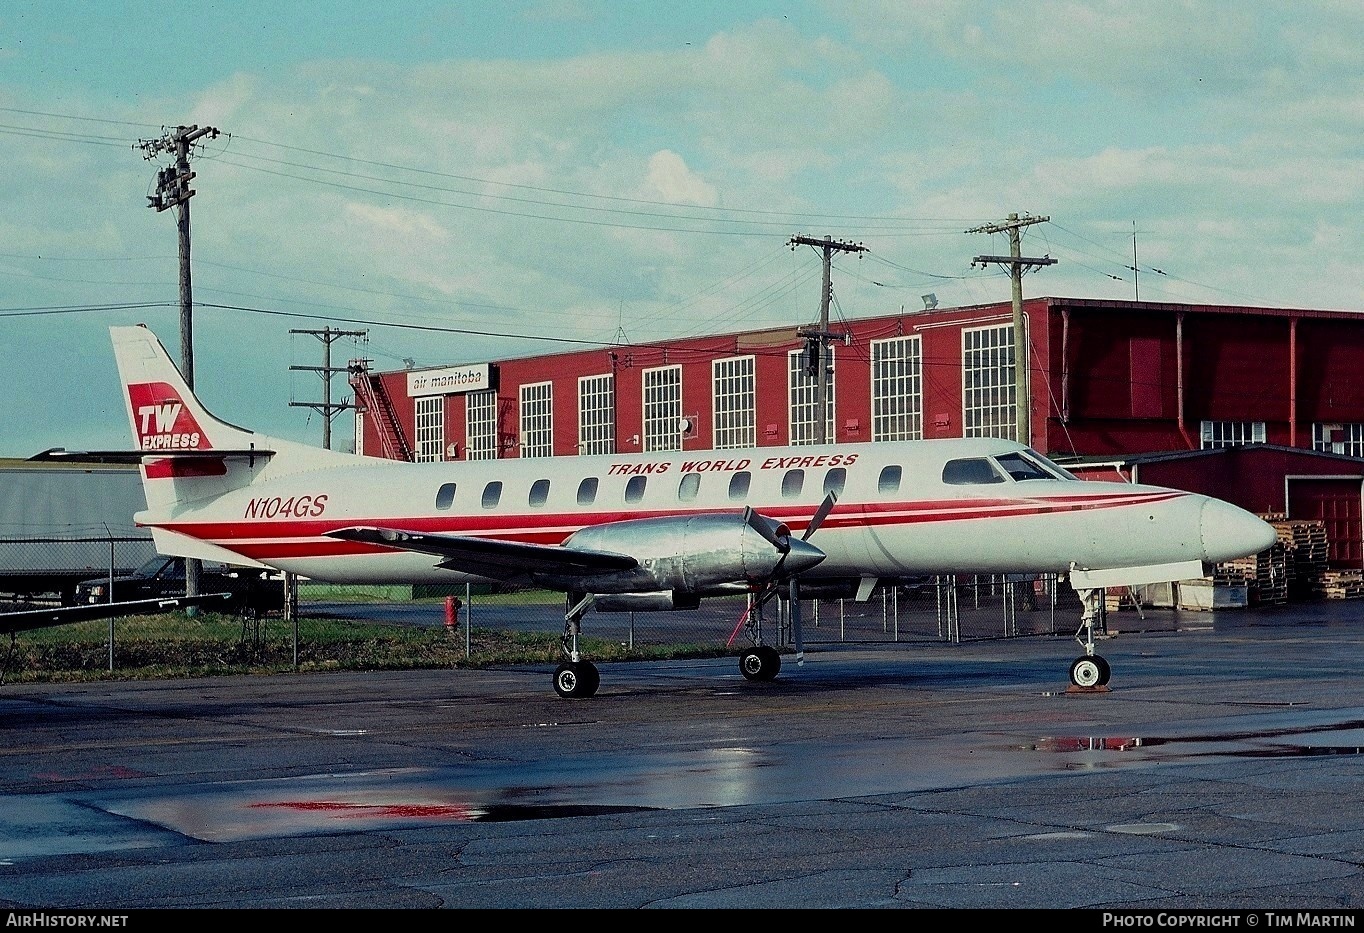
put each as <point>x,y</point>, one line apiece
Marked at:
<point>298,620</point>
<point>948,608</point>
<point>40,571</point>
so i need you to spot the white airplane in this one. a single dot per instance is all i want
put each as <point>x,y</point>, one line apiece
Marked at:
<point>659,530</point>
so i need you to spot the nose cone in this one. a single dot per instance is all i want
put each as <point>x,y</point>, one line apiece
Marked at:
<point>1230,533</point>
<point>802,556</point>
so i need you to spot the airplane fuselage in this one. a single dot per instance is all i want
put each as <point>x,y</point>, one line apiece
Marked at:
<point>904,508</point>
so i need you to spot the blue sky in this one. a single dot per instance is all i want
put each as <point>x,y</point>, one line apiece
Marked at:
<point>470,181</point>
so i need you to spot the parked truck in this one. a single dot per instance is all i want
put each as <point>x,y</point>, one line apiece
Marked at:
<point>62,524</point>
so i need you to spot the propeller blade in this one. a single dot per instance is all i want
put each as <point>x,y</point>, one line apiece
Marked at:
<point>773,532</point>
<point>821,513</point>
<point>797,635</point>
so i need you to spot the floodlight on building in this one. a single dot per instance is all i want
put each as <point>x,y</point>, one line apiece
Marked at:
<point>930,301</point>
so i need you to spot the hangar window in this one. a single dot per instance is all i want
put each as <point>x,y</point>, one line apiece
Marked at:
<point>634,490</point>
<point>1337,438</point>
<point>889,480</point>
<point>539,492</point>
<point>738,484</point>
<point>445,496</point>
<point>1231,433</point>
<point>480,425</point>
<point>663,408</point>
<point>835,480</point>
<point>492,494</point>
<point>989,400</point>
<point>970,470</point>
<point>733,400</point>
<point>597,414</point>
<point>802,382</point>
<point>687,489</point>
<point>587,491</point>
<point>537,420</point>
<point>792,483</point>
<point>896,389</point>
<point>430,422</point>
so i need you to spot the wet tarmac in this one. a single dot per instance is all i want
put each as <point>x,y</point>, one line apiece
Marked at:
<point>1222,769</point>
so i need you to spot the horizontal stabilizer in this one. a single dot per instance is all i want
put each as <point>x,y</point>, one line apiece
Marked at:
<point>28,619</point>
<point>61,454</point>
<point>487,557</point>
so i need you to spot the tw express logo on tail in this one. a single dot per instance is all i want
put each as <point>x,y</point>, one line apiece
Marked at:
<point>161,420</point>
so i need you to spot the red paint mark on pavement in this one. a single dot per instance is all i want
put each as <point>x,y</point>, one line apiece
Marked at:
<point>368,810</point>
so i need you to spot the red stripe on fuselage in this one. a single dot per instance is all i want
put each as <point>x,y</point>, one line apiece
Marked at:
<point>262,540</point>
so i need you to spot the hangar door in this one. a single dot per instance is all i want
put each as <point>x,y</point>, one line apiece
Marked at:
<point>1336,502</point>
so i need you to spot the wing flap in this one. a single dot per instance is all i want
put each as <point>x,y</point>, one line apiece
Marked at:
<point>489,557</point>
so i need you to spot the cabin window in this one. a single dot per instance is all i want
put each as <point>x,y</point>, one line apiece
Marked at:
<point>792,483</point>
<point>445,496</point>
<point>889,480</point>
<point>1021,468</point>
<point>539,492</point>
<point>738,484</point>
<point>688,487</point>
<point>634,489</point>
<point>492,494</point>
<point>970,471</point>
<point>835,480</point>
<point>587,491</point>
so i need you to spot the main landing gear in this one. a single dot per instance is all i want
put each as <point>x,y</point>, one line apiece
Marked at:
<point>1089,671</point>
<point>576,679</point>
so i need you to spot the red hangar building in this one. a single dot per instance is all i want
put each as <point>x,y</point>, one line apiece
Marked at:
<point>1263,407</point>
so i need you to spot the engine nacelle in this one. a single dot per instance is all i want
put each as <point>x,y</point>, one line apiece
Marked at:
<point>685,554</point>
<point>664,601</point>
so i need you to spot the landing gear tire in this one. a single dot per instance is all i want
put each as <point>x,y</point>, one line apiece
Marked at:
<point>576,680</point>
<point>760,663</point>
<point>1089,671</point>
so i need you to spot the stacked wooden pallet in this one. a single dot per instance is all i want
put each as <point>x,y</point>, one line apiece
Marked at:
<point>1306,548</point>
<point>1265,575</point>
<point>1342,584</point>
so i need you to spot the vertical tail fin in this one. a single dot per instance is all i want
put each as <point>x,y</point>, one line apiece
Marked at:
<point>162,410</point>
<point>204,456</point>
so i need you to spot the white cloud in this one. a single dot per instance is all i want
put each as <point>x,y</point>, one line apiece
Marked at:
<point>668,179</point>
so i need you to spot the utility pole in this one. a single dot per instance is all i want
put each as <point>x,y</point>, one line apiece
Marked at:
<point>1017,264</point>
<point>816,341</point>
<point>173,190</point>
<point>327,407</point>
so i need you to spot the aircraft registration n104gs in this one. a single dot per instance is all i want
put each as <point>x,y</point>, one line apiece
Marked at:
<point>659,530</point>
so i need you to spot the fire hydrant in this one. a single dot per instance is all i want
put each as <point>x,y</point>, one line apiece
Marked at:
<point>452,604</point>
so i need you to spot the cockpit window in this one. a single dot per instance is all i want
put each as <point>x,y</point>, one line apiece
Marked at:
<point>970,471</point>
<point>1059,472</point>
<point>1023,468</point>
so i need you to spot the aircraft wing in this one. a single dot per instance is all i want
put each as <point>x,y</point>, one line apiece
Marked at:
<point>28,619</point>
<point>508,561</point>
